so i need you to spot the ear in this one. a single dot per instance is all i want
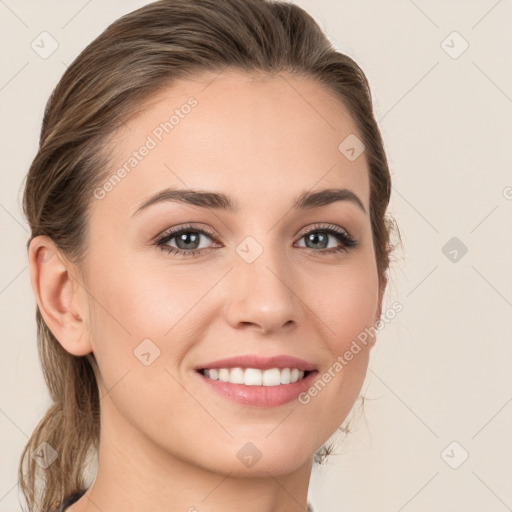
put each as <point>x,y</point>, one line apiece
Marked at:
<point>60,297</point>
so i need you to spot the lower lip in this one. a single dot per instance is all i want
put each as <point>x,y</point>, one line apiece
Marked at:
<point>260,396</point>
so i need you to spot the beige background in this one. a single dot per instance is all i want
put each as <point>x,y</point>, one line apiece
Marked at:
<point>441,370</point>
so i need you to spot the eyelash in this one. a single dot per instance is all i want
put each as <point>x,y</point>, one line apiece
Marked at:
<point>347,242</point>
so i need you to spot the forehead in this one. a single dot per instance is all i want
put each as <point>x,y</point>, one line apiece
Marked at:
<point>253,136</point>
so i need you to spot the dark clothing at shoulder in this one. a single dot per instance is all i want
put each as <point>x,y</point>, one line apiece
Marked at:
<point>77,495</point>
<point>69,500</point>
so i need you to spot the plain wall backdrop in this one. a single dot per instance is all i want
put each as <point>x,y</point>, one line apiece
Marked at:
<point>436,431</point>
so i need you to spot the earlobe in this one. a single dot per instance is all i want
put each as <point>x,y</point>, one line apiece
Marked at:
<point>59,296</point>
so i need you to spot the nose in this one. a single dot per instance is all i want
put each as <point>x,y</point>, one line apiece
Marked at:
<point>260,294</point>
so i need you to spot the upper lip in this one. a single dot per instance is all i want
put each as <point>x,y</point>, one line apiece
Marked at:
<point>261,362</point>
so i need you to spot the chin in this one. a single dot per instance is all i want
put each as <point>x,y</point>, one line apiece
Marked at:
<point>259,458</point>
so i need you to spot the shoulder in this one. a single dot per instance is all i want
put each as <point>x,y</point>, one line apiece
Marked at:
<point>70,500</point>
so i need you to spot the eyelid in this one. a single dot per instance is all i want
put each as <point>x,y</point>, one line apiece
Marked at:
<point>212,233</point>
<point>320,226</point>
<point>185,227</point>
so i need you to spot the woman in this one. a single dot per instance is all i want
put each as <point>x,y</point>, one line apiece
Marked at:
<point>209,240</point>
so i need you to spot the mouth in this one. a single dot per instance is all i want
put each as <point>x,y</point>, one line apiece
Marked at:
<point>255,376</point>
<point>257,380</point>
<point>255,387</point>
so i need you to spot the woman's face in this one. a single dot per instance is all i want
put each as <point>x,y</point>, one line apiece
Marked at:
<point>258,284</point>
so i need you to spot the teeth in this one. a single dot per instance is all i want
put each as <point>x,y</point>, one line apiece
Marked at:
<point>255,376</point>
<point>236,376</point>
<point>224,375</point>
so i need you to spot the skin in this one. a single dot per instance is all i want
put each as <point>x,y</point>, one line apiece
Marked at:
<point>167,441</point>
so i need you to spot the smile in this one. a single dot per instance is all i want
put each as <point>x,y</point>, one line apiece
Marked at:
<point>255,376</point>
<point>260,388</point>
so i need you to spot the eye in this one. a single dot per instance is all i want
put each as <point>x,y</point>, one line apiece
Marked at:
<point>320,234</point>
<point>187,239</point>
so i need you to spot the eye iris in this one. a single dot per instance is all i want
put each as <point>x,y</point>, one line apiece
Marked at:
<point>314,237</point>
<point>184,238</point>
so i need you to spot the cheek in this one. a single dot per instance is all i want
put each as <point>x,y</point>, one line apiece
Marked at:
<point>346,304</point>
<point>136,329</point>
<point>146,312</point>
<point>345,299</point>
<point>147,299</point>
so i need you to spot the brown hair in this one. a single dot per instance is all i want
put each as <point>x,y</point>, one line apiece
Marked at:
<point>137,56</point>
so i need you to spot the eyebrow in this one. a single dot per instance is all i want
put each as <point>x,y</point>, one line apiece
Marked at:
<point>220,201</point>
